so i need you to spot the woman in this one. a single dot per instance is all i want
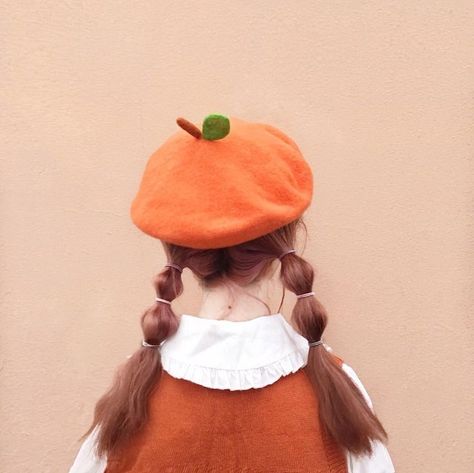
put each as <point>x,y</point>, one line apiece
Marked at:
<point>235,387</point>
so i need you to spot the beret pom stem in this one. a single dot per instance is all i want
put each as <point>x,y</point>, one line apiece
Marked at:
<point>186,125</point>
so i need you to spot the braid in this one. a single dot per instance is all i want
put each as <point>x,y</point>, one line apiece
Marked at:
<point>343,411</point>
<point>160,322</point>
<point>123,409</point>
<point>297,276</point>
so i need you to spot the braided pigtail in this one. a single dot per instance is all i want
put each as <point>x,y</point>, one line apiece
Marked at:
<point>343,411</point>
<point>123,409</point>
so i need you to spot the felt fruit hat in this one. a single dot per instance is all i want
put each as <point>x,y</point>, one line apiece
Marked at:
<point>232,182</point>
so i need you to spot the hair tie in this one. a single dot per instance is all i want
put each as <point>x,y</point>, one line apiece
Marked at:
<point>149,345</point>
<point>286,253</point>
<point>159,299</point>
<point>315,344</point>
<point>306,294</point>
<point>175,266</point>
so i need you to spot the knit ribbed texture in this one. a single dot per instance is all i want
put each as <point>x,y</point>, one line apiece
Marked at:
<point>194,429</point>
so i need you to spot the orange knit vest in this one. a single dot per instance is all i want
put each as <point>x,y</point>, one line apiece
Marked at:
<point>194,429</point>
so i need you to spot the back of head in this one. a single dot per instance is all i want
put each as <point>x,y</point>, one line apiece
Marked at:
<point>227,202</point>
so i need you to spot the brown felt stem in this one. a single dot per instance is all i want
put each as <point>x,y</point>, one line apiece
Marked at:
<point>191,128</point>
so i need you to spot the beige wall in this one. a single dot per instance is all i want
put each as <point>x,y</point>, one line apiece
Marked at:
<point>378,94</point>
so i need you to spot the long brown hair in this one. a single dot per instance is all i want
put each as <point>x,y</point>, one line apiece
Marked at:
<point>344,413</point>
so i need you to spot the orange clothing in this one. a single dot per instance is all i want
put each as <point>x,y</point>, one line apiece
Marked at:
<point>213,194</point>
<point>234,397</point>
<point>195,429</point>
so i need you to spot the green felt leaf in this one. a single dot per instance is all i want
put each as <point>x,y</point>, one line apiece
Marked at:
<point>215,127</point>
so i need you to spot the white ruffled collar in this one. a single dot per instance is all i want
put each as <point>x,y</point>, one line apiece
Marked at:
<point>235,355</point>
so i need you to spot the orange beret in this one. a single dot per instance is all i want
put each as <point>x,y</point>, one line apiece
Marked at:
<point>233,182</point>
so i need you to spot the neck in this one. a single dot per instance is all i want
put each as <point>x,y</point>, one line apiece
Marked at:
<point>233,302</point>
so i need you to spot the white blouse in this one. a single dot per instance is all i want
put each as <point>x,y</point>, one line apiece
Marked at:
<point>239,355</point>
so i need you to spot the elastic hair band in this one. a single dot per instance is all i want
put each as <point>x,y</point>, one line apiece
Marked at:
<point>315,344</point>
<point>149,345</point>
<point>306,294</point>
<point>175,266</point>
<point>286,253</point>
<point>159,299</point>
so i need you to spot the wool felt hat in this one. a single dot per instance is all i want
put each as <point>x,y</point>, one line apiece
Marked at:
<point>232,182</point>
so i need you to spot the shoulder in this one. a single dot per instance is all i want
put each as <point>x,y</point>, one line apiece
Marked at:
<point>379,461</point>
<point>356,380</point>
<point>87,460</point>
<point>350,372</point>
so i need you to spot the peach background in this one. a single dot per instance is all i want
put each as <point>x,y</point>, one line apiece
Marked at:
<point>379,96</point>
